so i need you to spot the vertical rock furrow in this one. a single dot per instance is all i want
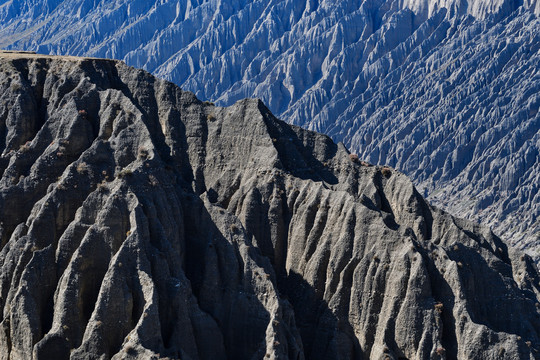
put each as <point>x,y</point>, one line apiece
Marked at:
<point>157,225</point>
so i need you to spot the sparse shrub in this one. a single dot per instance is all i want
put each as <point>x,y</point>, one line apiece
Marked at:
<point>528,343</point>
<point>82,168</point>
<point>102,186</point>
<point>128,233</point>
<point>386,171</point>
<point>15,86</point>
<point>142,153</point>
<point>354,158</point>
<point>25,147</point>
<point>125,173</point>
<point>363,163</point>
<point>460,264</point>
<point>210,118</point>
<point>439,307</point>
<point>153,180</point>
<point>209,103</point>
<point>456,248</point>
<point>440,351</point>
<point>83,113</point>
<point>234,228</point>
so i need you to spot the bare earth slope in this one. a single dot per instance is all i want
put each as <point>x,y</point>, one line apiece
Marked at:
<point>138,221</point>
<point>446,91</point>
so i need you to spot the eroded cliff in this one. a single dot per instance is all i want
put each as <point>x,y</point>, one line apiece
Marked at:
<point>138,222</point>
<point>444,90</point>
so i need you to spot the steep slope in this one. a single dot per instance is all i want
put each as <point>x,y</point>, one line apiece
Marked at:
<point>446,91</point>
<point>138,222</point>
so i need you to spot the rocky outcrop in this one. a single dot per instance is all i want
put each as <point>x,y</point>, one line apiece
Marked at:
<point>140,222</point>
<point>445,91</point>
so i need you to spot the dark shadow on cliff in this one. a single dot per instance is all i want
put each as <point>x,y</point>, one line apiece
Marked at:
<point>299,155</point>
<point>216,272</point>
<point>324,335</point>
<point>486,308</point>
<point>215,269</point>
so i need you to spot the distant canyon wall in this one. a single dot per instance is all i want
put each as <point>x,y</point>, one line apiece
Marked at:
<point>446,91</point>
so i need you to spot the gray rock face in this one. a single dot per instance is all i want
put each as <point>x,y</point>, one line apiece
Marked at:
<point>140,222</point>
<point>446,91</point>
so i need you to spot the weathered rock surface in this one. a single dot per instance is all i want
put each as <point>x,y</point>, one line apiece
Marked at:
<point>139,222</point>
<point>445,91</point>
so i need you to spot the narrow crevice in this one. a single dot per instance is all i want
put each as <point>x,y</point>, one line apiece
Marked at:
<point>89,289</point>
<point>47,314</point>
<point>315,233</point>
<point>378,288</point>
<point>385,204</point>
<point>442,293</point>
<point>340,272</point>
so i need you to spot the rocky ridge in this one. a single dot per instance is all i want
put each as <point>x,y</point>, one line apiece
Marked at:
<point>410,83</point>
<point>139,222</point>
